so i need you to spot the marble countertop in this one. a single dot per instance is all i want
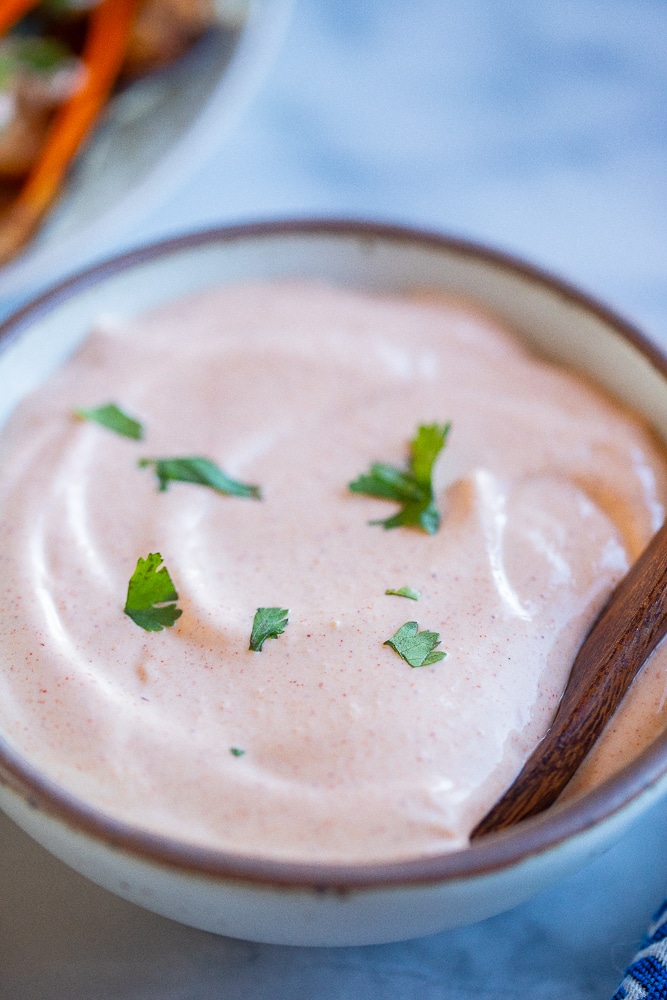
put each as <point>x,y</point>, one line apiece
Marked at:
<point>540,129</point>
<point>62,938</point>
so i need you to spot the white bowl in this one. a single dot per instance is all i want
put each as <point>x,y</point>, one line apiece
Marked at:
<point>319,904</point>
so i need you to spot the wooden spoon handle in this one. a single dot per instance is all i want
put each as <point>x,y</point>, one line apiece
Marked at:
<point>625,633</point>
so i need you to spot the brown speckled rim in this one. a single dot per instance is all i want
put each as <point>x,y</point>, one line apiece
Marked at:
<point>491,854</point>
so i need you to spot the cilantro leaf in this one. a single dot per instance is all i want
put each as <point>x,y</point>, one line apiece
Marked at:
<point>412,487</point>
<point>236,752</point>
<point>113,418</point>
<point>201,471</point>
<point>415,647</point>
<point>268,623</point>
<point>410,592</point>
<point>151,596</point>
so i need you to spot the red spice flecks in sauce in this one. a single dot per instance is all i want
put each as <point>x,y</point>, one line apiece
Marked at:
<point>547,491</point>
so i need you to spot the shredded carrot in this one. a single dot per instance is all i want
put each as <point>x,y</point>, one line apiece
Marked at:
<point>12,10</point>
<point>109,26</point>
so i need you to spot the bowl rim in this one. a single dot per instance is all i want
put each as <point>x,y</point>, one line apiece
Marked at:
<point>489,854</point>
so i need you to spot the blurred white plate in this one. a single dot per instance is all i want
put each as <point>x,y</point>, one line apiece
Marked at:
<point>153,136</point>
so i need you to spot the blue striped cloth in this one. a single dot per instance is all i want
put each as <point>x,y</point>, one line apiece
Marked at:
<point>646,977</point>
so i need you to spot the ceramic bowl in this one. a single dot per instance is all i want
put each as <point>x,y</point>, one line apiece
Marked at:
<point>318,904</point>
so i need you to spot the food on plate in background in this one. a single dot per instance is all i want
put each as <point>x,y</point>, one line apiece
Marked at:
<point>164,29</point>
<point>60,60</point>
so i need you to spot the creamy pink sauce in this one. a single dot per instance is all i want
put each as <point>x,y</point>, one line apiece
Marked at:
<point>547,489</point>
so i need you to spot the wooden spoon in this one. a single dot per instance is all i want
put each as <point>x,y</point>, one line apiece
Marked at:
<point>625,633</point>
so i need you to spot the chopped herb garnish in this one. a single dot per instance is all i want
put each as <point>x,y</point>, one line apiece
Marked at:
<point>113,418</point>
<point>151,595</point>
<point>201,471</point>
<point>410,592</point>
<point>412,487</point>
<point>236,752</point>
<point>268,623</point>
<point>417,648</point>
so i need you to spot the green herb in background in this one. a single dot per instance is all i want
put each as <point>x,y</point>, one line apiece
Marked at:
<point>60,8</point>
<point>30,53</point>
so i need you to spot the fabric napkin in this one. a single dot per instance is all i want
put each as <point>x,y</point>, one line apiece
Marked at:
<point>646,976</point>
